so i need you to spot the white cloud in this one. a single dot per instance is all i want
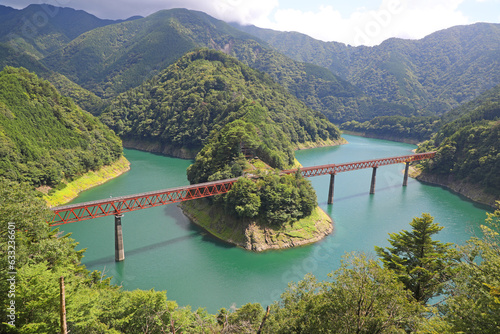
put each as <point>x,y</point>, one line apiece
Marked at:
<point>242,11</point>
<point>394,18</point>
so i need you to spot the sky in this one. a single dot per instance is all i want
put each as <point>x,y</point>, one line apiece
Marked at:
<point>354,22</point>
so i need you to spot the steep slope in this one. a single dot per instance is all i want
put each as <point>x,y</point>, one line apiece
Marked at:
<point>468,150</point>
<point>436,73</point>
<point>202,92</point>
<point>84,98</point>
<point>44,137</point>
<point>42,29</point>
<point>116,58</point>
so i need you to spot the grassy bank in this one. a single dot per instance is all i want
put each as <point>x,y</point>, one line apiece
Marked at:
<point>87,181</point>
<point>257,235</point>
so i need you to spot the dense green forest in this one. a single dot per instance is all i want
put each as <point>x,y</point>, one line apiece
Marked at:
<point>423,128</point>
<point>436,73</point>
<point>398,77</point>
<point>468,148</point>
<point>85,99</point>
<point>184,79</point>
<point>43,29</point>
<point>138,49</point>
<point>319,88</point>
<point>45,138</point>
<point>270,198</point>
<point>205,90</point>
<point>361,296</point>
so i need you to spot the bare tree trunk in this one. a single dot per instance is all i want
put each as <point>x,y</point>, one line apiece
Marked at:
<point>264,320</point>
<point>64,329</point>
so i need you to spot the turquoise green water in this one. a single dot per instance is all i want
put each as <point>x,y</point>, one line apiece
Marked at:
<point>164,251</point>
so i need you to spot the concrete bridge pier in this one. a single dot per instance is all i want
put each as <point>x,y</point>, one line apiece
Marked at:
<point>119,250</point>
<point>330,190</point>
<point>405,179</point>
<point>374,178</point>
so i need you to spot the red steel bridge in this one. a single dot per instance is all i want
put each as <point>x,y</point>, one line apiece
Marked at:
<point>118,205</point>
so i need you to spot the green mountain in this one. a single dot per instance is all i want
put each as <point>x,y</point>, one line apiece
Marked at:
<point>205,90</point>
<point>42,29</point>
<point>468,148</point>
<point>435,73</point>
<point>45,138</point>
<point>395,78</point>
<point>118,57</point>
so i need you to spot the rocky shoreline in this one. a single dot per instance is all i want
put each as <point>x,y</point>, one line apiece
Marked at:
<point>254,236</point>
<point>374,136</point>
<point>155,147</point>
<point>184,153</point>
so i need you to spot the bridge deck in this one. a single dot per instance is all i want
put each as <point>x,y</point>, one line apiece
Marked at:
<point>118,205</point>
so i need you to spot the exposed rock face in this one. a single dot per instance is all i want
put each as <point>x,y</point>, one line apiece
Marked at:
<point>184,153</point>
<point>156,147</point>
<point>260,239</point>
<point>255,236</point>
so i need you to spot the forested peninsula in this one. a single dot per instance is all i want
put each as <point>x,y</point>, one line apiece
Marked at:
<point>175,111</point>
<point>237,121</point>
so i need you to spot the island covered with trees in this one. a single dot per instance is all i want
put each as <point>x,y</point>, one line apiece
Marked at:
<point>211,105</point>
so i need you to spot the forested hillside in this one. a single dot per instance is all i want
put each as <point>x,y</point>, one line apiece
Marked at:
<point>468,148</point>
<point>42,29</point>
<point>45,138</point>
<point>228,102</point>
<point>84,98</point>
<point>436,73</point>
<point>118,57</point>
<point>204,91</point>
<point>398,77</point>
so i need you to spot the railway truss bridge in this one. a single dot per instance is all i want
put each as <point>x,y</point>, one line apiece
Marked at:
<point>117,206</point>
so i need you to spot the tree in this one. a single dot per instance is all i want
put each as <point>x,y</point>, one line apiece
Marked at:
<point>243,199</point>
<point>246,319</point>
<point>473,305</point>
<point>422,264</point>
<point>362,297</point>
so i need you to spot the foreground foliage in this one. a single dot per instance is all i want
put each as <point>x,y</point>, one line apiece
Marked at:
<point>422,264</point>
<point>474,306</point>
<point>362,296</point>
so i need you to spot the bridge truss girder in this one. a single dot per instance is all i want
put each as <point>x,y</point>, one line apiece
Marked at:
<point>119,205</point>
